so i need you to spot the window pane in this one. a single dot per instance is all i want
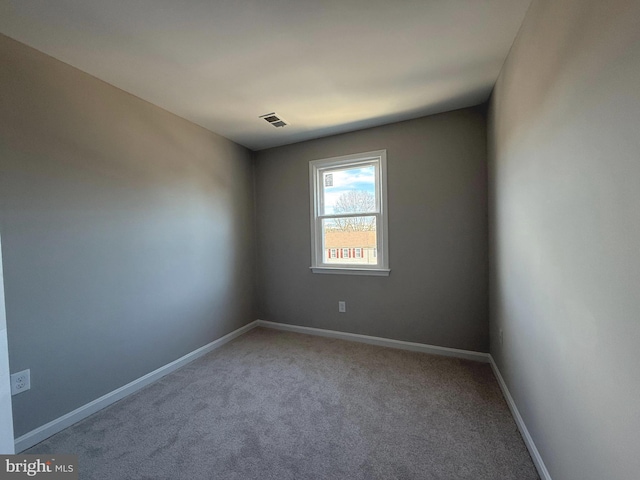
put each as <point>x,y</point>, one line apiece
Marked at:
<point>349,190</point>
<point>349,240</point>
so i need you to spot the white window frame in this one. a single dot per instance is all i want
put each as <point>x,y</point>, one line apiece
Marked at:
<point>377,158</point>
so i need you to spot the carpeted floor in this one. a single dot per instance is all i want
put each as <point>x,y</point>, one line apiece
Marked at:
<point>277,405</point>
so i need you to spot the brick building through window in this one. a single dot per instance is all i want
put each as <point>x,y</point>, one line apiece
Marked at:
<point>350,247</point>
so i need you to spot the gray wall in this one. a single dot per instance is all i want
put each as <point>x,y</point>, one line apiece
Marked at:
<point>6,414</point>
<point>127,234</point>
<point>437,291</point>
<point>565,234</point>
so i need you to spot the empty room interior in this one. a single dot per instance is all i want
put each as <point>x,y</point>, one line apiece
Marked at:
<point>321,240</point>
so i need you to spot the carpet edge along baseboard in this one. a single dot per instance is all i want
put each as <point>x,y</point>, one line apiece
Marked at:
<point>43,432</point>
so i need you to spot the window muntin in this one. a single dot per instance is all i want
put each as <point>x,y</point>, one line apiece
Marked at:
<point>348,210</point>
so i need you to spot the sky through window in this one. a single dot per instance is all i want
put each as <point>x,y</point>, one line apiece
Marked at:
<point>338,182</point>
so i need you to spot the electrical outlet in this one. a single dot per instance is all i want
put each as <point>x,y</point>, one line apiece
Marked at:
<point>20,382</point>
<point>342,307</point>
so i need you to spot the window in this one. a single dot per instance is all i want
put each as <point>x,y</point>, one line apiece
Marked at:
<point>349,214</point>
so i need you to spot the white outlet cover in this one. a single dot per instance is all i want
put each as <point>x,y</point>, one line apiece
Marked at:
<point>342,307</point>
<point>20,382</point>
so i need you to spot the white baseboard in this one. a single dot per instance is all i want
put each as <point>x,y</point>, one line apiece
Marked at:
<point>435,350</point>
<point>531,446</point>
<point>45,431</point>
<point>383,342</point>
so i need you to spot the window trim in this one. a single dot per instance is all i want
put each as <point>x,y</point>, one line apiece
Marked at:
<point>382,237</point>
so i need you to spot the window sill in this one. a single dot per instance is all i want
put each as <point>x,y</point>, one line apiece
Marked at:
<point>377,272</point>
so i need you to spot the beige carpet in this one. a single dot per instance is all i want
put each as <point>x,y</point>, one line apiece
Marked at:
<point>276,405</point>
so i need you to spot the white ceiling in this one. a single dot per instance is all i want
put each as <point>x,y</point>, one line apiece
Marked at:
<point>326,66</point>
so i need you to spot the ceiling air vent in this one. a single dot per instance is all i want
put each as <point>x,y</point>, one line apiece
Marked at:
<point>274,119</point>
